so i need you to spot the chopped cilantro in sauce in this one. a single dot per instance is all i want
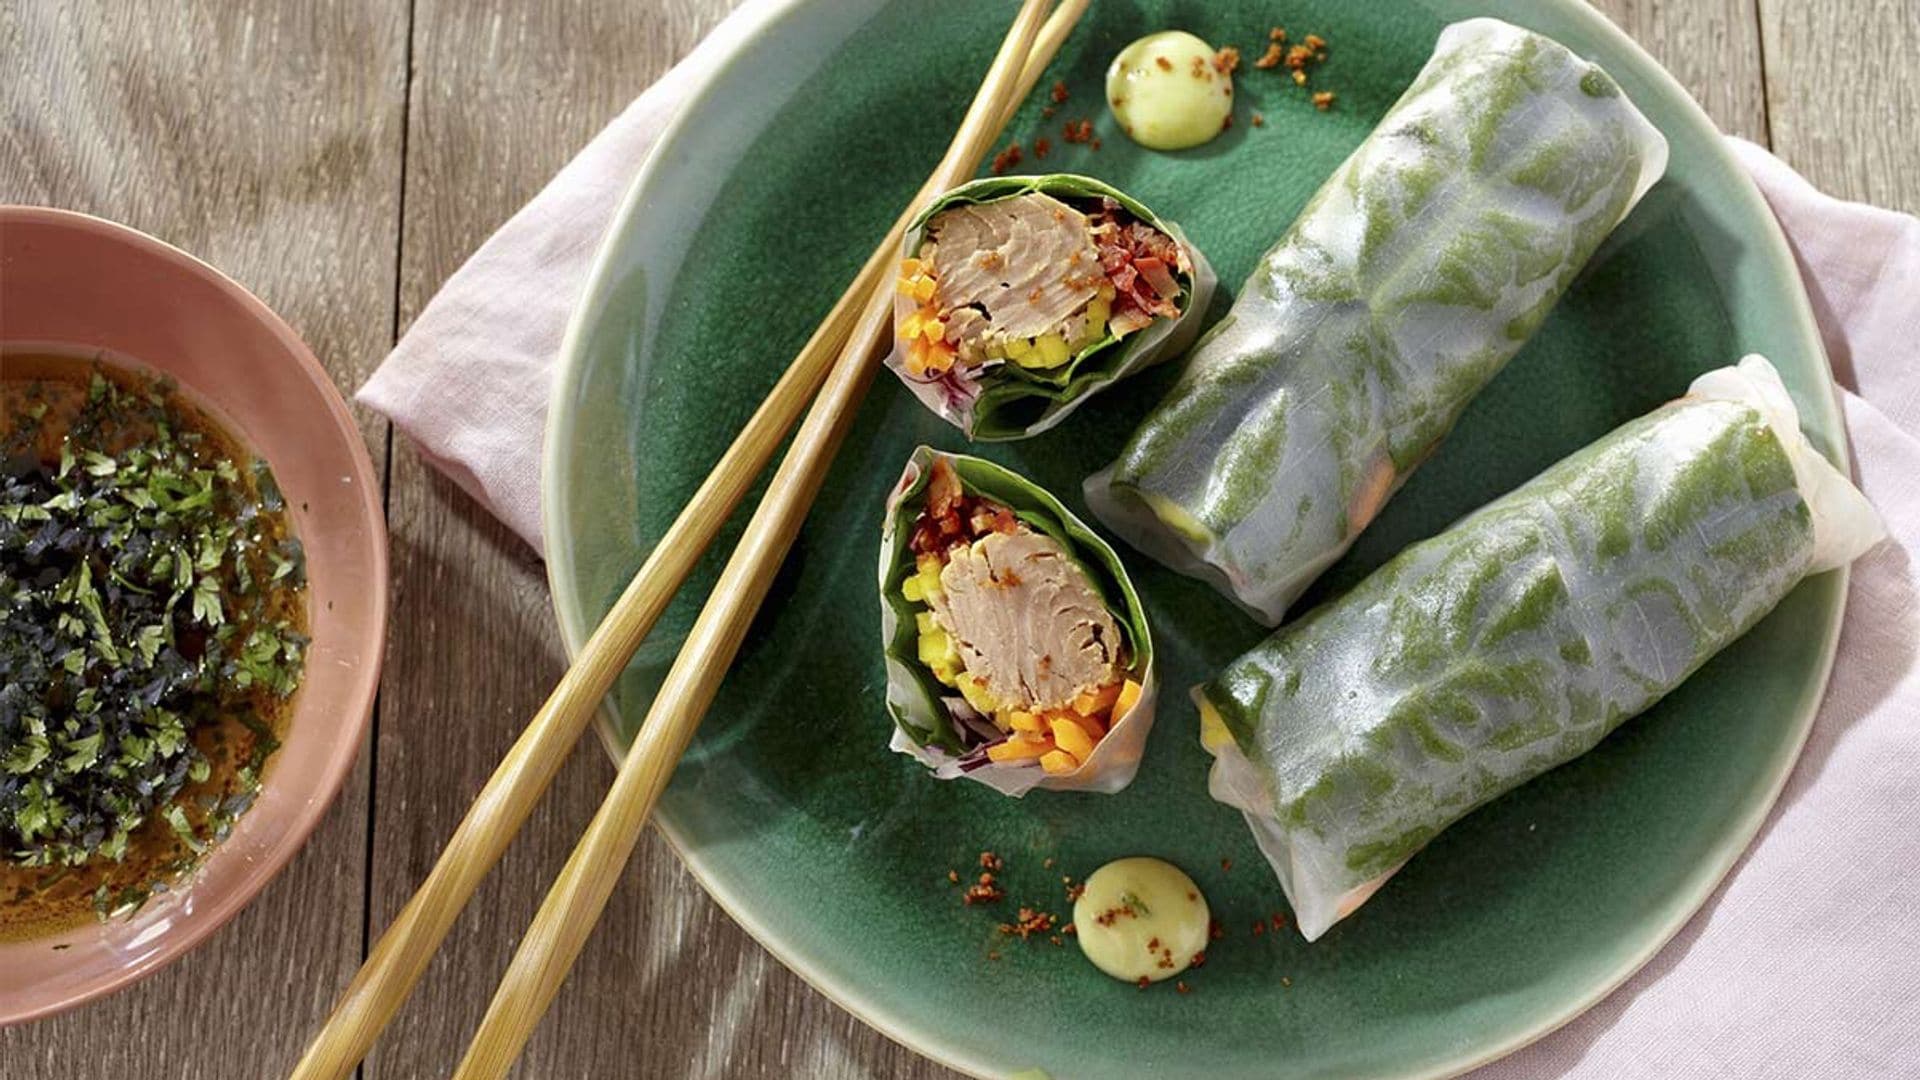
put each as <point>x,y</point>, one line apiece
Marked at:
<point>150,637</point>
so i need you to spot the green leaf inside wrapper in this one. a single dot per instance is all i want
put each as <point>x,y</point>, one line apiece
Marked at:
<point>1013,401</point>
<point>1041,512</point>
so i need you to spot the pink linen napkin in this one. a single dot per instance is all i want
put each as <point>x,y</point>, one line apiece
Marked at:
<point>1807,961</point>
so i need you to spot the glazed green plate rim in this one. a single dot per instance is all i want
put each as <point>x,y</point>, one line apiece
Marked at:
<point>703,106</point>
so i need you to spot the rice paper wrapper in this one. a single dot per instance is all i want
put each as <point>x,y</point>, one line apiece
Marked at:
<point>1517,639</point>
<point>1013,403</point>
<point>1417,271</point>
<point>923,727</point>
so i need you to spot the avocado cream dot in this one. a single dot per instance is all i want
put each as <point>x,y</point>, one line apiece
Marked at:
<point>1141,918</point>
<point>1167,94</point>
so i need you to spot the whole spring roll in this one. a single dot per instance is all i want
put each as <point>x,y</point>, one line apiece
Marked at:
<point>1021,296</point>
<point>1518,638</point>
<point>1406,284</point>
<point>1017,652</point>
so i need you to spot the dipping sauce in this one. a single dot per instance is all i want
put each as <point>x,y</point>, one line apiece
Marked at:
<point>151,640</point>
<point>1141,919</point>
<point>1167,93</point>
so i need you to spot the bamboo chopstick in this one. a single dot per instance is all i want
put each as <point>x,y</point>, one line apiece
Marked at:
<point>397,960</point>
<point>574,903</point>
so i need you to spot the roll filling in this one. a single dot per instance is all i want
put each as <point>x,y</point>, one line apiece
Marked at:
<point>1018,297</point>
<point>1017,659</point>
<point>1013,624</point>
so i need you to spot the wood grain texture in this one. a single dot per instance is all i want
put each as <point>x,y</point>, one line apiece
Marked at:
<point>1712,47</point>
<point>267,143</point>
<point>1843,98</point>
<point>504,92</point>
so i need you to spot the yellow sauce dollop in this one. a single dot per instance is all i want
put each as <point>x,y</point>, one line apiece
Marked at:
<point>1165,93</point>
<point>1141,918</point>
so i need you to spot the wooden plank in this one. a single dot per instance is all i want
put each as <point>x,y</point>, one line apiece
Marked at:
<point>505,92</point>
<point>265,138</point>
<point>668,986</point>
<point>1712,47</point>
<point>1842,98</point>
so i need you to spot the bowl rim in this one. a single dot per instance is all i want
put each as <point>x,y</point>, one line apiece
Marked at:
<point>868,1006</point>
<point>354,721</point>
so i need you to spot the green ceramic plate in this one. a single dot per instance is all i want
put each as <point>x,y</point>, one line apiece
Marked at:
<point>756,210</point>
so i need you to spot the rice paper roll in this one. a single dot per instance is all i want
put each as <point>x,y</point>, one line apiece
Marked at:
<point>1517,639</point>
<point>1021,296</point>
<point>1411,278</point>
<point>1017,651</point>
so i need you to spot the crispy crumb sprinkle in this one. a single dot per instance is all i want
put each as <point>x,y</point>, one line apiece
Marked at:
<point>1046,112</point>
<point>1143,982</point>
<point>1279,34</point>
<point>1056,940</point>
<point>1227,60</point>
<point>990,861</point>
<point>1226,122</point>
<point>1042,146</point>
<point>1284,981</point>
<point>1183,987</point>
<point>1277,922</point>
<point>1068,930</point>
<point>1226,864</point>
<point>1271,58</point>
<point>953,876</point>
<point>1198,960</point>
<point>1258,120</point>
<point>1078,131</point>
<point>1299,78</point>
<point>1317,44</point>
<point>1075,892</point>
<point>1059,92</point>
<point>1047,863</point>
<point>1259,928</point>
<point>1214,930</point>
<point>1323,100</point>
<point>984,891</point>
<point>1029,923</point>
<point>1006,159</point>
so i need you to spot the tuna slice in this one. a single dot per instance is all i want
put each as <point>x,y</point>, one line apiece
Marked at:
<point>1018,267</point>
<point>1027,622</point>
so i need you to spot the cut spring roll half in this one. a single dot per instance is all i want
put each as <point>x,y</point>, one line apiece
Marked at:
<point>1411,278</point>
<point>1020,296</point>
<point>1017,652</point>
<point>1518,638</point>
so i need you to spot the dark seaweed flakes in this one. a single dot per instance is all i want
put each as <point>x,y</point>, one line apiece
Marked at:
<point>138,591</point>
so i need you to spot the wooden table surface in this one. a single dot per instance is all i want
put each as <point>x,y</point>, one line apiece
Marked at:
<point>341,158</point>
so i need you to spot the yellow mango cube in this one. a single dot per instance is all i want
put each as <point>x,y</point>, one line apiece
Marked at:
<point>1049,351</point>
<point>1020,748</point>
<point>1056,762</point>
<point>975,693</point>
<point>1071,737</point>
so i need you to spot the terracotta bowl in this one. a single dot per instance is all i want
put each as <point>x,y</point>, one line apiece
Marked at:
<point>70,282</point>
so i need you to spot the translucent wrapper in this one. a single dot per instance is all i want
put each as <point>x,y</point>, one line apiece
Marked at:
<point>1407,283</point>
<point>1518,638</point>
<point>924,724</point>
<point>1006,401</point>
